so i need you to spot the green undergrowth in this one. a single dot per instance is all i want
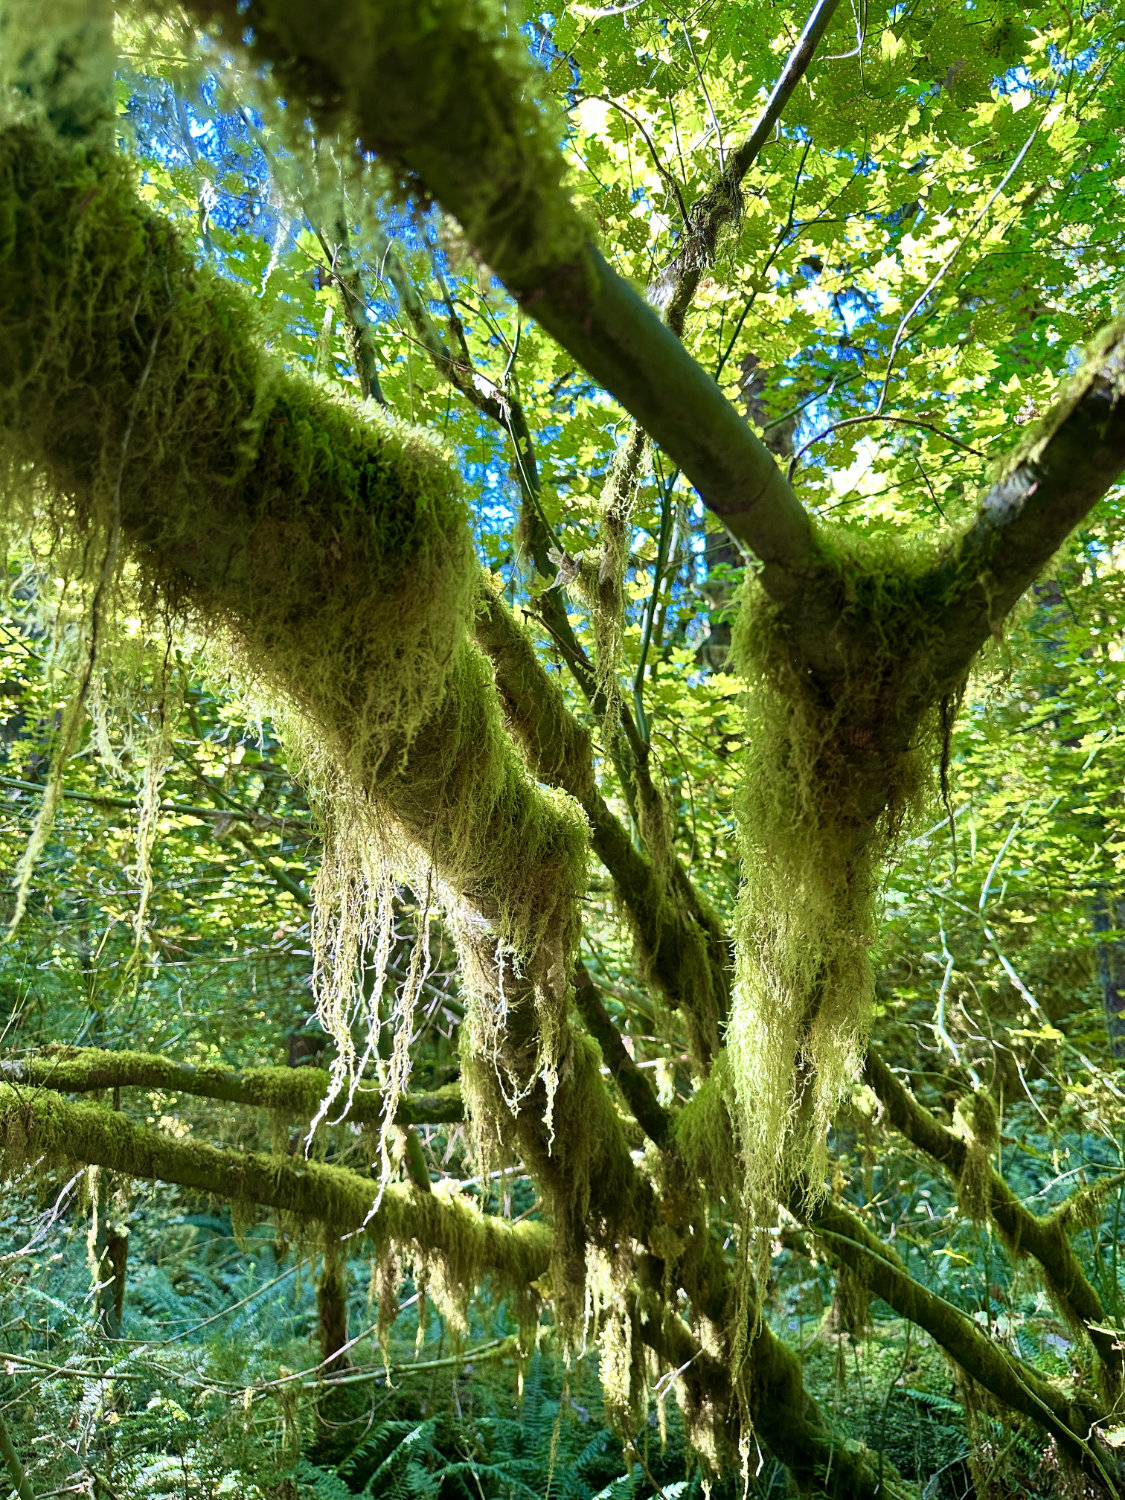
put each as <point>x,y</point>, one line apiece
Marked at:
<point>830,779</point>
<point>217,1391</point>
<point>897,1395</point>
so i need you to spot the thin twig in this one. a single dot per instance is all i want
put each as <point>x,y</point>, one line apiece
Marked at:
<point>917,304</point>
<point>667,176</point>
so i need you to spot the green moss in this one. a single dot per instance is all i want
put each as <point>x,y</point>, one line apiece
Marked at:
<point>556,746</point>
<point>510,848</point>
<point>138,409</point>
<point>114,349</point>
<point>327,548</point>
<point>976,1120</point>
<point>831,774</point>
<point>584,1171</point>
<point>461,1246</point>
<point>604,585</point>
<point>704,1135</point>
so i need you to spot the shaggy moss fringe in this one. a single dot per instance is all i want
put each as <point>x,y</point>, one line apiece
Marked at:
<point>829,782</point>
<point>136,405</point>
<point>460,1247</point>
<point>976,1120</point>
<point>328,548</point>
<point>585,1175</point>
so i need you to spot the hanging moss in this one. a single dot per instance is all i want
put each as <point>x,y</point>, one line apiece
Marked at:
<point>329,549</point>
<point>591,1189</point>
<point>138,407</point>
<point>831,775</point>
<point>461,1246</point>
<point>977,1122</point>
<point>850,1312</point>
<point>604,584</point>
<point>703,1133</point>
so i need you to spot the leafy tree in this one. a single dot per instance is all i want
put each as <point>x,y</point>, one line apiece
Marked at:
<point>694,780</point>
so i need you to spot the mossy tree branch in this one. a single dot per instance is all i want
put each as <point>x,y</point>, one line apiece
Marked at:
<point>445,92</point>
<point>686,953</point>
<point>1043,1237</point>
<point>636,1089</point>
<point>721,205</point>
<point>1071,1420</point>
<point>785,1416</point>
<point>42,1126</point>
<point>1052,479</point>
<point>291,1093</point>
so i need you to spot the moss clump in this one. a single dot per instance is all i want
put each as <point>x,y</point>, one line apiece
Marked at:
<point>139,416</point>
<point>135,393</point>
<point>977,1122</point>
<point>831,774</point>
<point>584,1171</point>
<point>328,547</point>
<point>704,1135</point>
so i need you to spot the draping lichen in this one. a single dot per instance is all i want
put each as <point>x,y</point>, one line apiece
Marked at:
<point>326,550</point>
<point>976,1120</point>
<point>114,349</point>
<point>584,1172</point>
<point>331,553</point>
<point>831,775</point>
<point>704,1136</point>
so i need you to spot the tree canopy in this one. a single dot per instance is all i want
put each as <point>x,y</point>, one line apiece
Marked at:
<point>563,653</point>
